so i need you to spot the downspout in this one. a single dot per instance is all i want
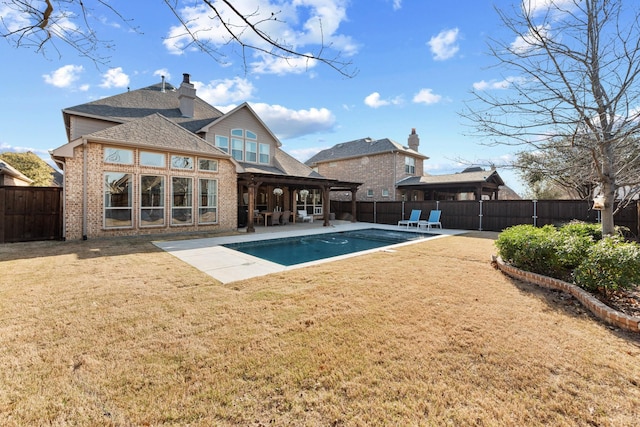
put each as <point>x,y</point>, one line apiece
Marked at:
<point>84,188</point>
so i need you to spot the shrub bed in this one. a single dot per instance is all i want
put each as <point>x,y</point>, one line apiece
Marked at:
<point>575,252</point>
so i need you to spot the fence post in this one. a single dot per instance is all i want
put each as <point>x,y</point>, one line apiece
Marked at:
<point>535,212</point>
<point>480,227</point>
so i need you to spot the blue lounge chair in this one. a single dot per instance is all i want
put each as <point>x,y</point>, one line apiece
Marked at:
<point>414,218</point>
<point>434,220</point>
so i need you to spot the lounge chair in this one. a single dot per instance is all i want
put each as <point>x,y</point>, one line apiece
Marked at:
<point>414,218</point>
<point>434,220</point>
<point>304,216</point>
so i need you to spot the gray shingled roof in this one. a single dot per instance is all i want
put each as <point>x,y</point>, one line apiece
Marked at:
<point>284,164</point>
<point>139,103</point>
<point>157,131</point>
<point>360,147</point>
<point>454,178</point>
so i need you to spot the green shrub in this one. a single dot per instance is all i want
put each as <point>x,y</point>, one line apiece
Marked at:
<point>610,264</point>
<point>531,248</point>
<point>575,239</point>
<point>582,229</point>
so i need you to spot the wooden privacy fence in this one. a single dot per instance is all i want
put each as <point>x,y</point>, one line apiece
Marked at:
<point>489,215</point>
<point>30,213</point>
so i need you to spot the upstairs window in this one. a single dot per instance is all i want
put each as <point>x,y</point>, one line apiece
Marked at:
<point>222,142</point>
<point>244,147</point>
<point>410,165</point>
<point>265,156</point>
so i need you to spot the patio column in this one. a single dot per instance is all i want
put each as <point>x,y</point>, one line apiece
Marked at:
<point>354,190</point>
<point>326,206</point>
<point>252,206</point>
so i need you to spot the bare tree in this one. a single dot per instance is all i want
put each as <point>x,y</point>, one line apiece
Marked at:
<point>44,24</point>
<point>573,67</point>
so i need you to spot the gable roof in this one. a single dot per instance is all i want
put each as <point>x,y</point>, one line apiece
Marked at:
<point>359,148</point>
<point>244,105</point>
<point>159,98</point>
<point>468,176</point>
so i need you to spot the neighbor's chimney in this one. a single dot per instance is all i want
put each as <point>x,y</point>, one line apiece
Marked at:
<point>186,95</point>
<point>414,140</point>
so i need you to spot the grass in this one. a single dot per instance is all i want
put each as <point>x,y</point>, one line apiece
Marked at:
<point>118,333</point>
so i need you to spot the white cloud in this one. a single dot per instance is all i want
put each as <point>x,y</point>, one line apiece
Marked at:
<point>64,76</point>
<point>530,41</point>
<point>444,45</point>
<point>297,24</point>
<point>538,7</point>
<point>163,72</point>
<point>304,154</point>
<point>225,91</point>
<point>269,64</point>
<point>397,4</point>
<point>374,101</point>
<point>426,96</point>
<point>114,77</point>
<point>287,123</point>
<point>497,84</point>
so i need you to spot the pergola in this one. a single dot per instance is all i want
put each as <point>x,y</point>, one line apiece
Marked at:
<point>254,180</point>
<point>443,187</point>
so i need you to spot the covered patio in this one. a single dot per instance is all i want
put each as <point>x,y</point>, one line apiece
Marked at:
<point>261,194</point>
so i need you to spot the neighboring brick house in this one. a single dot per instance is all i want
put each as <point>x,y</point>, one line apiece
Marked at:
<point>378,164</point>
<point>161,160</point>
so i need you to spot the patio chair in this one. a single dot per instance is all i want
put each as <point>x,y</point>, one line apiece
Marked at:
<point>275,218</point>
<point>434,220</point>
<point>304,216</point>
<point>414,218</point>
<point>284,219</point>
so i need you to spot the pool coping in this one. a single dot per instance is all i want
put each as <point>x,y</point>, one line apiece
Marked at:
<point>227,265</point>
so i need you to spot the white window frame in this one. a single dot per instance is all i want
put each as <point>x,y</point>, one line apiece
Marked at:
<point>152,209</point>
<point>152,155</point>
<point>188,199</point>
<point>410,165</point>
<point>219,143</point>
<point>211,199</point>
<point>116,156</point>
<point>107,208</point>
<point>181,162</point>
<point>212,162</point>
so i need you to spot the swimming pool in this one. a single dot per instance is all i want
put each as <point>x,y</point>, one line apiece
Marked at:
<point>297,250</point>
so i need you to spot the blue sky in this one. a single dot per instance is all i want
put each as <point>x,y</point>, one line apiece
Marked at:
<point>416,62</point>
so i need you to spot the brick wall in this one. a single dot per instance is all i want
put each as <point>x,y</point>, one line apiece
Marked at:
<point>377,173</point>
<point>73,176</point>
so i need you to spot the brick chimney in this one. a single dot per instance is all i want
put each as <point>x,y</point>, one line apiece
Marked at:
<point>187,96</point>
<point>414,140</point>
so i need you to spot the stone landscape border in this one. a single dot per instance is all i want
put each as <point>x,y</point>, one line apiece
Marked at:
<point>599,309</point>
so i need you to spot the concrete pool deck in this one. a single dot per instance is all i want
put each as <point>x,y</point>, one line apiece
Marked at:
<point>226,265</point>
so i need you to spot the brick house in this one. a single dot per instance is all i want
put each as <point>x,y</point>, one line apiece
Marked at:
<point>378,164</point>
<point>161,160</point>
<point>390,171</point>
<point>10,176</point>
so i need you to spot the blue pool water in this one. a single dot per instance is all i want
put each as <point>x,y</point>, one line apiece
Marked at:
<point>296,250</point>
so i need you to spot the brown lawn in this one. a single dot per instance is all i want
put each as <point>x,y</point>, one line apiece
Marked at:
<point>108,332</point>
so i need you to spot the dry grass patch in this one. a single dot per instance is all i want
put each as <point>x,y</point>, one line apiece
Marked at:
<point>119,333</point>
